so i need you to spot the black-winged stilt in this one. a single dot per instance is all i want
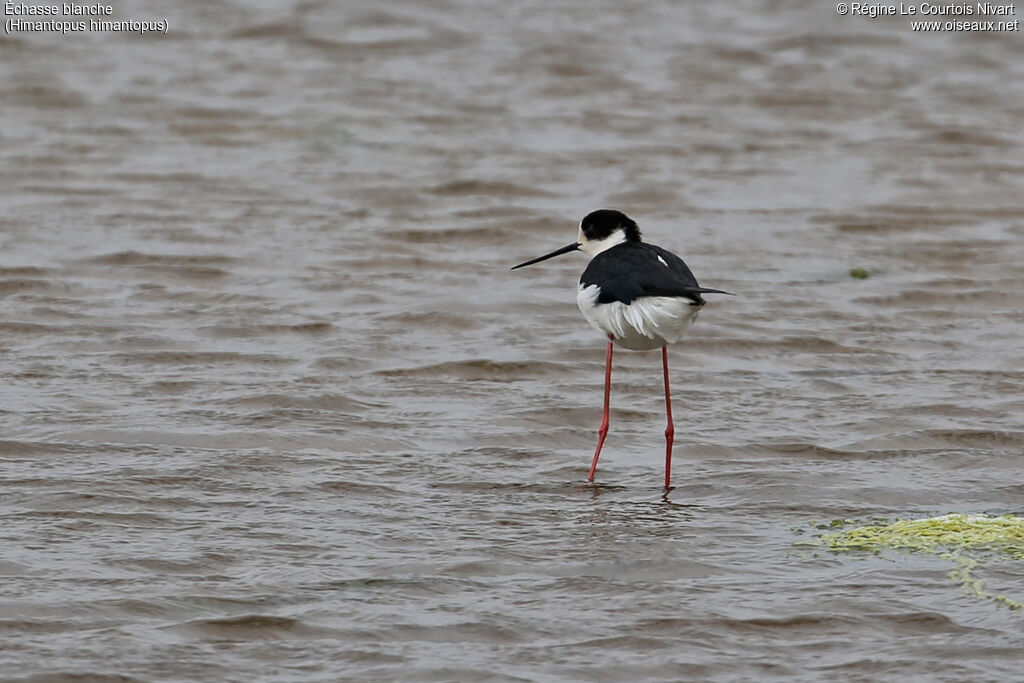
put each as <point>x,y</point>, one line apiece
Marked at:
<point>639,295</point>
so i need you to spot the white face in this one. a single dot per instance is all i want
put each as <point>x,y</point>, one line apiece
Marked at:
<point>594,247</point>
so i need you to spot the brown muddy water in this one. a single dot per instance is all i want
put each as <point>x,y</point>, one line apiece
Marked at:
<point>274,408</point>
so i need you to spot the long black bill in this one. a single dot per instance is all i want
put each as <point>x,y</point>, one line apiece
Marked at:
<point>557,252</point>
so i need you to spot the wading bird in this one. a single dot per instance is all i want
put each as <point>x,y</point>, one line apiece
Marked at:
<point>639,295</point>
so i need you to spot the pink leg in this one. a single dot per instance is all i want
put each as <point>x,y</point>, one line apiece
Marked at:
<point>603,429</point>
<point>670,430</point>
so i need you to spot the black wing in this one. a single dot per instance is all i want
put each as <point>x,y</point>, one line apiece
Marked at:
<point>631,270</point>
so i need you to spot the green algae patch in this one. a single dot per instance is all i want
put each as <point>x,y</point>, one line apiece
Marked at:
<point>936,534</point>
<point>966,540</point>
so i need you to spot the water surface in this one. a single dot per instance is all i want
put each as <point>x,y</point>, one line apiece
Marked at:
<point>274,407</point>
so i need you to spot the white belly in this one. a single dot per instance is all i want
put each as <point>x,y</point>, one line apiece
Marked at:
<point>647,323</point>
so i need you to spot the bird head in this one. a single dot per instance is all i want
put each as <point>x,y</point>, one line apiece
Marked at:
<point>599,230</point>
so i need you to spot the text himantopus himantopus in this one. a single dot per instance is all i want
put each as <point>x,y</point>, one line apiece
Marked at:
<point>639,295</point>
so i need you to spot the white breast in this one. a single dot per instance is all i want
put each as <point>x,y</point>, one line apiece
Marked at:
<point>647,323</point>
